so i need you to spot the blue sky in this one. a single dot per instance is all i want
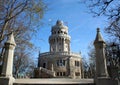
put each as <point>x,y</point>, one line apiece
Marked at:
<point>82,25</point>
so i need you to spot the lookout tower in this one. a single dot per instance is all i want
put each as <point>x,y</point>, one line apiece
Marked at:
<point>60,61</point>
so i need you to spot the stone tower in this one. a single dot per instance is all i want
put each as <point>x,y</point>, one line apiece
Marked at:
<point>7,77</point>
<point>59,62</point>
<point>59,40</point>
<point>101,67</point>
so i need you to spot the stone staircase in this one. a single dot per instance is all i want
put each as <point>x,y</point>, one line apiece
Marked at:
<point>44,73</point>
<point>49,72</point>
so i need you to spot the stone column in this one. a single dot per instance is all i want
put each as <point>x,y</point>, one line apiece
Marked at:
<point>72,70</point>
<point>68,47</point>
<point>7,77</point>
<point>101,66</point>
<point>55,48</point>
<point>52,67</point>
<point>63,44</point>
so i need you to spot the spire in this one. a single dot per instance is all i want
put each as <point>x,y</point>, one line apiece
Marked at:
<point>11,39</point>
<point>98,36</point>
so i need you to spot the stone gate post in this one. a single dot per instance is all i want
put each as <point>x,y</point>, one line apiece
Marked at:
<point>7,77</point>
<point>102,77</point>
<point>101,66</point>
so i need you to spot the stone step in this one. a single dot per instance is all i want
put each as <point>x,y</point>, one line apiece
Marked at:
<point>54,81</point>
<point>53,84</point>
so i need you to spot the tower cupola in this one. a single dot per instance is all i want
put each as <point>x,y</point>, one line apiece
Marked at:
<point>59,39</point>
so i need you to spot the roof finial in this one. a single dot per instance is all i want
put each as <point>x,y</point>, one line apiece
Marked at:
<point>98,29</point>
<point>59,22</point>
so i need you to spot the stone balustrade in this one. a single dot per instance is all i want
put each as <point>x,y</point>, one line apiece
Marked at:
<point>60,35</point>
<point>60,53</point>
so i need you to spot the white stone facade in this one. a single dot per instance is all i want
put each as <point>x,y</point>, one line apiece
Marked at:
<point>60,60</point>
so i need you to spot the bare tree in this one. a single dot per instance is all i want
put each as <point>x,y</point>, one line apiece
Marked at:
<point>23,64</point>
<point>110,9</point>
<point>113,60</point>
<point>22,58</point>
<point>19,17</point>
<point>85,67</point>
<point>92,58</point>
<point>18,10</point>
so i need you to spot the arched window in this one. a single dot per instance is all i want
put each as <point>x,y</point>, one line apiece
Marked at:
<point>65,32</point>
<point>44,65</point>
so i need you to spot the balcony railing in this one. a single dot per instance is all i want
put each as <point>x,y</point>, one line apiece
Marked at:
<point>60,53</point>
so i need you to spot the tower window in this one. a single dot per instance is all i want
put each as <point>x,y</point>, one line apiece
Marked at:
<point>44,65</point>
<point>77,73</point>
<point>77,63</point>
<point>53,49</point>
<point>61,62</point>
<point>61,73</point>
<point>57,73</point>
<point>65,33</point>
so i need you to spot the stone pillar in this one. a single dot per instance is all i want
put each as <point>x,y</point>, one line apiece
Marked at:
<point>7,77</point>
<point>68,47</point>
<point>71,65</point>
<point>101,66</point>
<point>52,67</point>
<point>55,48</point>
<point>63,44</point>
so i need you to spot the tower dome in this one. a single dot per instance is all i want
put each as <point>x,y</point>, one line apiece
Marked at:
<point>59,25</point>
